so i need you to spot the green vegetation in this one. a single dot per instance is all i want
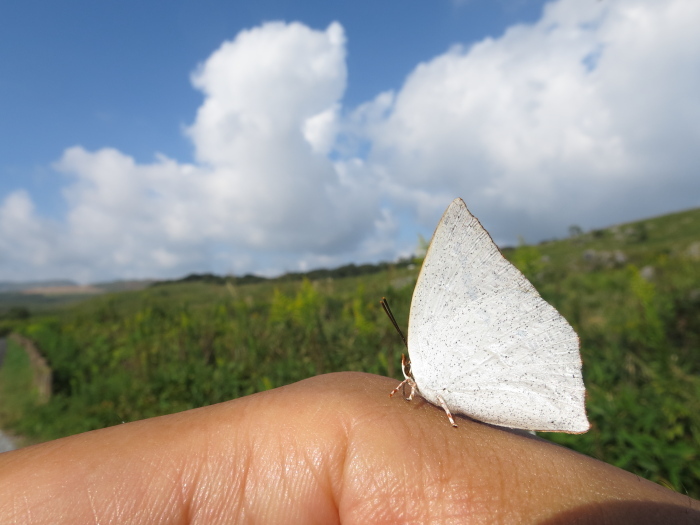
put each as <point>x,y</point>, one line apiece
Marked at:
<point>17,394</point>
<point>632,293</point>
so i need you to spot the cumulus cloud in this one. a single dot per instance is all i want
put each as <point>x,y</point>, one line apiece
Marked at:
<point>589,116</point>
<point>267,121</point>
<point>23,233</point>
<point>262,196</point>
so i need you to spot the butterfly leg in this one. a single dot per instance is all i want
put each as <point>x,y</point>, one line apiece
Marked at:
<point>411,383</point>
<point>406,368</point>
<point>402,383</point>
<point>447,410</point>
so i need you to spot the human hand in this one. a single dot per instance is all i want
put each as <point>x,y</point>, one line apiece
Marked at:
<point>330,449</point>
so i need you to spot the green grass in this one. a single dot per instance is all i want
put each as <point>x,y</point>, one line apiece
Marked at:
<point>122,357</point>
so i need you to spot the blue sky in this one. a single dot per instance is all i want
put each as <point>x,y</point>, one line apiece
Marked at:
<point>154,139</point>
<point>116,73</point>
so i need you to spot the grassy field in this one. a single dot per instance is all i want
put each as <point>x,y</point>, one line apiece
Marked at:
<point>632,293</point>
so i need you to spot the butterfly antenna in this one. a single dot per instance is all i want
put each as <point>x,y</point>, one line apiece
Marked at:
<point>385,305</point>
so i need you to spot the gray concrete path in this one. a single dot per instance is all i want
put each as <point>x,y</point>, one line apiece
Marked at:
<point>6,443</point>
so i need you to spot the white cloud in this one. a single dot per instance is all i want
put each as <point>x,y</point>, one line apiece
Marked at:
<point>21,232</point>
<point>264,128</point>
<point>264,85</point>
<point>321,130</point>
<point>589,116</point>
<point>263,192</point>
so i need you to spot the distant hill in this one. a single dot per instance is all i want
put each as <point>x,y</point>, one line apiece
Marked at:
<point>68,287</point>
<point>20,298</point>
<point>607,247</point>
<point>347,270</point>
<point>123,285</point>
<point>10,286</point>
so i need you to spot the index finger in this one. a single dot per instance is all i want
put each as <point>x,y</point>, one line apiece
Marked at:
<point>330,449</point>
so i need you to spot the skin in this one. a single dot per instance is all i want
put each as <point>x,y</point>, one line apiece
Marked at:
<point>330,449</point>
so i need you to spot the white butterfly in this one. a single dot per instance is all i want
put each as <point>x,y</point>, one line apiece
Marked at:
<point>483,343</point>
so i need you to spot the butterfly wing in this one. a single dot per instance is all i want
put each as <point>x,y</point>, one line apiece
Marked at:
<point>481,337</point>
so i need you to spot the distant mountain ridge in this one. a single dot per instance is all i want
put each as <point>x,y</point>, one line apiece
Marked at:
<point>10,286</point>
<point>678,228</point>
<point>66,286</point>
